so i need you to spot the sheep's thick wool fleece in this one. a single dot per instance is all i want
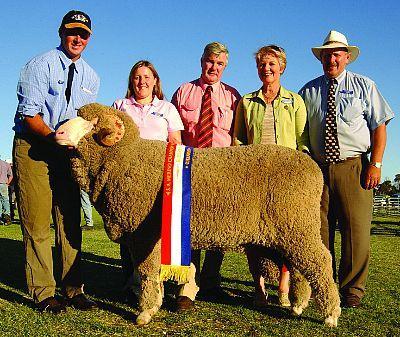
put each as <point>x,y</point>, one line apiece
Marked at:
<point>240,195</point>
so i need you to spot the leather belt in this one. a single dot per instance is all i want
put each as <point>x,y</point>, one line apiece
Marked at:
<point>340,161</point>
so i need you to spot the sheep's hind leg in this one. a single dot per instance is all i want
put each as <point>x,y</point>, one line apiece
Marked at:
<point>315,263</point>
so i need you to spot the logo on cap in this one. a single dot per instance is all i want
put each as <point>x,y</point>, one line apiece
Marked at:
<point>79,17</point>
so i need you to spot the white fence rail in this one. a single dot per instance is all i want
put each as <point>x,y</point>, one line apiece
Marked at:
<point>386,206</point>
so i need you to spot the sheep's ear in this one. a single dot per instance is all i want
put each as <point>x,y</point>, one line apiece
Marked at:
<point>113,134</point>
<point>105,137</point>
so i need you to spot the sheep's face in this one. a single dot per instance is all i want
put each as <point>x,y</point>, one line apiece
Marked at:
<point>108,126</point>
<point>71,132</point>
<point>97,135</point>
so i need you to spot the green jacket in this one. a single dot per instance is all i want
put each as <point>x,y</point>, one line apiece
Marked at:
<point>290,120</point>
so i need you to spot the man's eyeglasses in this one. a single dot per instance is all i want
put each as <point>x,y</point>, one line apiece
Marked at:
<point>84,34</point>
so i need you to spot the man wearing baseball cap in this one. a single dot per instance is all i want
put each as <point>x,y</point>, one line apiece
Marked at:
<point>51,88</point>
<point>347,119</point>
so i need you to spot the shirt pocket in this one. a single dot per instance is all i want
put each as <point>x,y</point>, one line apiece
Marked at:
<point>56,87</point>
<point>189,115</point>
<point>286,115</point>
<point>87,93</point>
<point>224,118</point>
<point>351,110</point>
<point>84,96</point>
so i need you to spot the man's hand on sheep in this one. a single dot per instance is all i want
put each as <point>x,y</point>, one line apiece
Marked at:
<point>69,134</point>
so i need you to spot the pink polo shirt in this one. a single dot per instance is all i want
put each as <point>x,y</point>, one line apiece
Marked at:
<point>154,120</point>
<point>224,99</point>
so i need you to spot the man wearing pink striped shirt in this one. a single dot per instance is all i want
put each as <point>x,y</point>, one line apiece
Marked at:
<point>188,100</point>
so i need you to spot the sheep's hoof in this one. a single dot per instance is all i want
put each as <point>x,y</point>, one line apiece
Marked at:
<point>331,321</point>
<point>143,318</point>
<point>297,310</point>
<point>146,315</point>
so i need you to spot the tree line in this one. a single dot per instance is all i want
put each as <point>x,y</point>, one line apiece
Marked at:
<point>387,188</point>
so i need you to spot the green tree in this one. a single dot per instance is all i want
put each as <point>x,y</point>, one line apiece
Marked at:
<point>397,182</point>
<point>385,188</point>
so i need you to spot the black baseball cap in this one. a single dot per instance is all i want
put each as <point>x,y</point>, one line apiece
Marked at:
<point>76,19</point>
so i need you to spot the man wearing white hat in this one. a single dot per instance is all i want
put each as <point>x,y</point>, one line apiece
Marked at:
<point>347,119</point>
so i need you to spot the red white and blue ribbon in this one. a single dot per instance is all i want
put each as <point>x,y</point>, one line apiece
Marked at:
<point>175,229</point>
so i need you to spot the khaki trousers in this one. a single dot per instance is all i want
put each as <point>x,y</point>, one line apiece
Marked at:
<point>44,186</point>
<point>346,203</point>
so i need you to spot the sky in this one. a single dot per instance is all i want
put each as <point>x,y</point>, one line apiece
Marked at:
<point>172,34</point>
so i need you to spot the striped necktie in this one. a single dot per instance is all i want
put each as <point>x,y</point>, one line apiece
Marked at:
<point>71,72</point>
<point>205,121</point>
<point>332,151</point>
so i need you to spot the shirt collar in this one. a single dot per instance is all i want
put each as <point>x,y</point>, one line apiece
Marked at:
<point>338,79</point>
<point>204,85</point>
<point>283,93</point>
<point>67,61</point>
<point>156,101</point>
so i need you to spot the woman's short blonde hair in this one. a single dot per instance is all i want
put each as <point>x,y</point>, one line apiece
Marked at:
<point>157,91</point>
<point>271,49</point>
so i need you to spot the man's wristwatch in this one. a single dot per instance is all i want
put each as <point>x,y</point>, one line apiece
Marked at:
<point>376,164</point>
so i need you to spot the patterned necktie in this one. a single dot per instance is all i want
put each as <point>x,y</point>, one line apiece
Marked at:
<point>332,152</point>
<point>69,81</point>
<point>205,121</point>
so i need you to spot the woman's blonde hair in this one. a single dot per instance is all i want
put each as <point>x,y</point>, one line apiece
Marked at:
<point>274,50</point>
<point>157,91</point>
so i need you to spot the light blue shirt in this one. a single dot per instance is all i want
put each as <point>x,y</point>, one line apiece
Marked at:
<point>41,89</point>
<point>360,109</point>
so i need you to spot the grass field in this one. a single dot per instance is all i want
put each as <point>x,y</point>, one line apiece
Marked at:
<point>379,315</point>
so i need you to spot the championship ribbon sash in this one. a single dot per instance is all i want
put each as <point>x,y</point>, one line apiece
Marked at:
<point>175,227</point>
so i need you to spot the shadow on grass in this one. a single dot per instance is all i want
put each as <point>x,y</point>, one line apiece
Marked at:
<point>15,297</point>
<point>390,228</point>
<point>101,275</point>
<point>239,282</point>
<point>103,280</point>
<point>12,264</point>
<point>240,298</point>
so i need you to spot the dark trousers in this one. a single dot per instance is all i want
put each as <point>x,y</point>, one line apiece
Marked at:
<point>347,204</point>
<point>209,277</point>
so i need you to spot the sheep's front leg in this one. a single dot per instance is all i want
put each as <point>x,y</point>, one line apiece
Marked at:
<point>300,292</point>
<point>150,299</point>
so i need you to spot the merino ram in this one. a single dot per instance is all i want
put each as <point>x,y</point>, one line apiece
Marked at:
<point>265,196</point>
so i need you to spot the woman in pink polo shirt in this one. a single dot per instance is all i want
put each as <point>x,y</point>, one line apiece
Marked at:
<point>157,119</point>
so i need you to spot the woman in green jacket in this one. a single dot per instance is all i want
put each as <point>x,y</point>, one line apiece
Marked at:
<point>270,115</point>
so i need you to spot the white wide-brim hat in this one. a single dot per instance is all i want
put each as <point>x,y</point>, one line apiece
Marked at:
<point>336,40</point>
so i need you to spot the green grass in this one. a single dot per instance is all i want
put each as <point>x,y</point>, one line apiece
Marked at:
<point>379,315</point>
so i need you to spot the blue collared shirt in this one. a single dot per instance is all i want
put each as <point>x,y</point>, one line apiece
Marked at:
<point>360,109</point>
<point>41,89</point>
